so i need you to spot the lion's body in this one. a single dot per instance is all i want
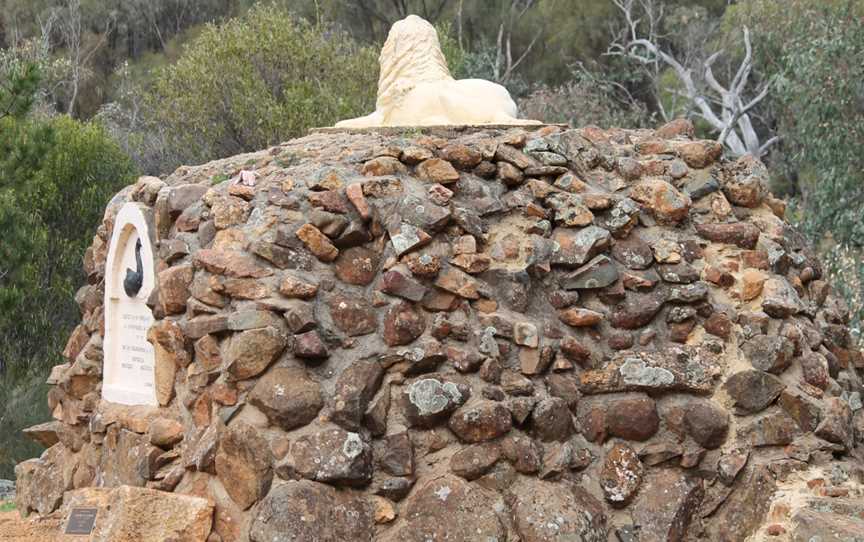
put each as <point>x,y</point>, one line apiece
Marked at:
<point>415,87</point>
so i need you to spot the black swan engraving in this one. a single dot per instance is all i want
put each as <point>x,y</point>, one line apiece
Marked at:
<point>134,279</point>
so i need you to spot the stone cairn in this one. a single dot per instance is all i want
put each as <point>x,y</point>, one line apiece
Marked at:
<point>474,334</point>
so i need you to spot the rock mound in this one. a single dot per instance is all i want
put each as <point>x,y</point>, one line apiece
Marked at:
<point>513,334</point>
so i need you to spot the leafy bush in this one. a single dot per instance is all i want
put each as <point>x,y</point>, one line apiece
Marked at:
<point>56,175</point>
<point>259,80</point>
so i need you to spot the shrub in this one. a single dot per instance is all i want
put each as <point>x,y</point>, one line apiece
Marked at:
<point>259,80</point>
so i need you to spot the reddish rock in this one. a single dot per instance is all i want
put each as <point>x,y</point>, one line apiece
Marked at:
<point>309,345</point>
<point>741,234</point>
<point>458,282</point>
<point>577,247</point>
<point>295,287</point>
<point>707,423</point>
<point>579,317</point>
<point>632,418</point>
<point>667,505</point>
<point>244,464</point>
<point>402,324</point>
<point>621,475</point>
<point>396,283</point>
<point>474,461</point>
<point>544,511</point>
<point>552,420</point>
<point>745,182</point>
<point>447,506</point>
<point>752,391</point>
<point>480,420</point>
<point>355,388</point>
<point>288,397</point>
<point>801,407</point>
<point>357,265</point>
<point>523,453</point>
<point>333,456</point>
<point>353,316</point>
<point>462,156</point>
<point>836,424</point>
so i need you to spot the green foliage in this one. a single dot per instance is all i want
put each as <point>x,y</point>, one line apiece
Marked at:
<point>259,80</point>
<point>56,176</point>
<point>18,88</point>
<point>7,506</point>
<point>813,50</point>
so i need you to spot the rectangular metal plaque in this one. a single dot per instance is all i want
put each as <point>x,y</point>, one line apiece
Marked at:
<point>81,521</point>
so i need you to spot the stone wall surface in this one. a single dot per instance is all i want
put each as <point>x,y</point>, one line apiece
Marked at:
<point>473,334</point>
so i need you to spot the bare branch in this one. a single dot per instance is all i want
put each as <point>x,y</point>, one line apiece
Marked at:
<point>722,107</point>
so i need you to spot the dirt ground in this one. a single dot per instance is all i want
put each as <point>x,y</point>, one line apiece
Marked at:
<point>15,529</point>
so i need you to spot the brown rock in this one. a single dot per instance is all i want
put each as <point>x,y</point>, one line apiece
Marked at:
<point>357,265</point>
<point>249,353</point>
<point>231,263</point>
<point>402,324</point>
<point>294,287</point>
<point>667,506</point>
<point>244,464</point>
<point>836,424</point>
<point>579,317</point>
<point>552,420</point>
<point>741,234</point>
<point>523,453</point>
<point>752,391</point>
<point>436,170</point>
<point>751,284</point>
<point>165,432</point>
<point>445,507</point>
<point>317,243</point>
<point>353,316</point>
<point>355,388</point>
<point>745,182</point>
<point>632,418</point>
<point>667,204</point>
<point>333,456</point>
<point>700,154</point>
<point>745,510</point>
<point>621,475</point>
<point>801,407</point>
<point>474,461</point>
<point>383,165</point>
<point>136,514</point>
<point>306,510</point>
<point>707,423</point>
<point>288,397</point>
<point>174,288</point>
<point>480,420</point>
<point>545,511</point>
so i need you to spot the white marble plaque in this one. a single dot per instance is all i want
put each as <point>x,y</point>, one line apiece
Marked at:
<point>128,372</point>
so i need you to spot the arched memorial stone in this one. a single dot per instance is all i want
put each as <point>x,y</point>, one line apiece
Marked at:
<point>130,279</point>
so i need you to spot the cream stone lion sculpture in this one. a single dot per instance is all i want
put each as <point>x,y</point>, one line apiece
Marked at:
<point>415,87</point>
